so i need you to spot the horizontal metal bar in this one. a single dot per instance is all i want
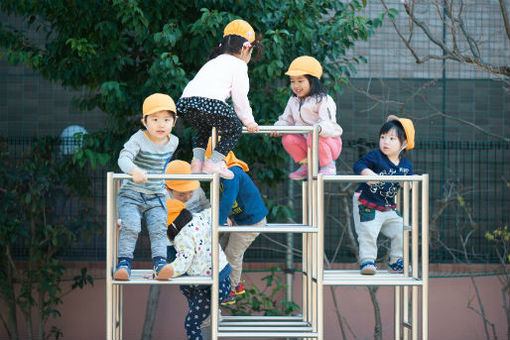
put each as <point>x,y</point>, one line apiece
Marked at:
<point>252,334</point>
<point>354,278</point>
<point>198,177</point>
<point>281,129</point>
<point>264,323</point>
<point>374,178</point>
<point>270,228</point>
<point>275,329</point>
<point>261,317</point>
<point>139,277</point>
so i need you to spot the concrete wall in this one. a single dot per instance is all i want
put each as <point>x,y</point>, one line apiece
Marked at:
<point>83,311</point>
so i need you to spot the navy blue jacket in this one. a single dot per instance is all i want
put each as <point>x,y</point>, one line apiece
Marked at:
<point>381,194</point>
<point>240,199</point>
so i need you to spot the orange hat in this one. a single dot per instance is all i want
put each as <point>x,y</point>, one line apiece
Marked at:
<point>408,127</point>
<point>173,208</point>
<point>305,65</point>
<point>184,168</point>
<point>158,102</point>
<point>240,27</point>
<point>230,159</point>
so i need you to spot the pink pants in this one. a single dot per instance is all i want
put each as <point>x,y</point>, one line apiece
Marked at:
<point>296,146</point>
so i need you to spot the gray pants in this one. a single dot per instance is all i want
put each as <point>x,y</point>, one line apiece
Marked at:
<point>369,223</point>
<point>133,206</point>
<point>234,245</point>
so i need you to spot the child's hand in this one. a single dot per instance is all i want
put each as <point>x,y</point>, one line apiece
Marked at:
<point>229,222</point>
<point>274,134</point>
<point>253,127</point>
<point>139,175</point>
<point>119,224</point>
<point>368,172</point>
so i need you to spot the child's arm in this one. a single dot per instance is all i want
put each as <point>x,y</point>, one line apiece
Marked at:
<point>327,118</point>
<point>240,89</point>
<point>229,195</point>
<point>185,246</point>
<point>364,166</point>
<point>126,158</point>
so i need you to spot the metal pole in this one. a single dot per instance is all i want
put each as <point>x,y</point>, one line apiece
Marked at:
<point>405,304</point>
<point>109,256</point>
<point>215,259</point>
<point>320,256</point>
<point>425,256</point>
<point>289,255</point>
<point>415,235</point>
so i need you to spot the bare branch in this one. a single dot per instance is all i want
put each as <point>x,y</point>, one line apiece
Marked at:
<point>504,13</point>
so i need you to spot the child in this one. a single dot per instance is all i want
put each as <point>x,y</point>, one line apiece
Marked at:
<point>374,202</point>
<point>146,152</point>
<point>241,200</point>
<point>188,192</point>
<point>202,103</point>
<point>310,104</point>
<point>191,235</point>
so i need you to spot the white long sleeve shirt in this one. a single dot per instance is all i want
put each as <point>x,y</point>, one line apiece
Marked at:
<point>193,246</point>
<point>309,111</point>
<point>221,78</point>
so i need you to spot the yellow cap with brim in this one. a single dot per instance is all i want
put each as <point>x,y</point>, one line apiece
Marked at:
<point>158,102</point>
<point>408,127</point>
<point>305,65</point>
<point>173,208</point>
<point>181,168</point>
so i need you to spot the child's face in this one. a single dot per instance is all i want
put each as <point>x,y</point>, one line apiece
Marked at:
<point>159,125</point>
<point>183,196</point>
<point>300,86</point>
<point>390,145</point>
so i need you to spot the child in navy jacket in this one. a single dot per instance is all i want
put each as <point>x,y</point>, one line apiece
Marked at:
<point>374,207</point>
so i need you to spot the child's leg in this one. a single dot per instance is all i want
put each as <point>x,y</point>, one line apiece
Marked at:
<point>231,130</point>
<point>155,216</point>
<point>295,145</point>
<point>367,227</point>
<point>393,228</point>
<point>199,303</point>
<point>235,249</point>
<point>129,205</point>
<point>329,149</point>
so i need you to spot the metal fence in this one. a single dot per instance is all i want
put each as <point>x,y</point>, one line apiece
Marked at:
<point>468,191</point>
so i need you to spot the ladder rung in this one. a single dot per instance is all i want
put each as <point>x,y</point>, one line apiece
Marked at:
<point>138,277</point>
<point>257,334</point>
<point>270,228</point>
<point>354,278</point>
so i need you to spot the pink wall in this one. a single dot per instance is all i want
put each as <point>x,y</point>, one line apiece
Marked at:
<point>83,312</point>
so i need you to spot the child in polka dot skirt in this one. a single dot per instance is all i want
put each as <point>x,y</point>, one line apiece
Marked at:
<point>203,105</point>
<point>191,236</point>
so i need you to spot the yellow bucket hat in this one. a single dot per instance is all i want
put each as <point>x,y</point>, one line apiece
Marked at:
<point>182,168</point>
<point>408,127</point>
<point>305,65</point>
<point>241,28</point>
<point>158,102</point>
<point>230,159</point>
<point>173,208</point>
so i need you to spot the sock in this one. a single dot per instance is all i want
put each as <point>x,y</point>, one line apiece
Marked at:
<point>199,154</point>
<point>217,157</point>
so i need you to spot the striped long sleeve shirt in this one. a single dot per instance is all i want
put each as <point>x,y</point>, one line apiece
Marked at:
<point>141,152</point>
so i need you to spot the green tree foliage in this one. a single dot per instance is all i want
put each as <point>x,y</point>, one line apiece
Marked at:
<point>36,188</point>
<point>123,50</point>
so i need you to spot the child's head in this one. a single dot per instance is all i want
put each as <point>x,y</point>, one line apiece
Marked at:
<point>304,73</point>
<point>181,190</point>
<point>396,136</point>
<point>239,40</point>
<point>159,116</point>
<point>178,217</point>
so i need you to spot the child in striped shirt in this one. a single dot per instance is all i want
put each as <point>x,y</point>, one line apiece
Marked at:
<point>146,152</point>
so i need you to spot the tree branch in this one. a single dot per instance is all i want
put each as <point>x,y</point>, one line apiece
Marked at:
<point>504,13</point>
